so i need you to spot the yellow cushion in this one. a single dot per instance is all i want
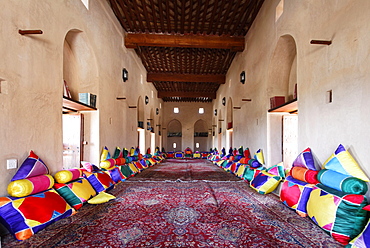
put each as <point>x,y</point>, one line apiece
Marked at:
<point>102,197</point>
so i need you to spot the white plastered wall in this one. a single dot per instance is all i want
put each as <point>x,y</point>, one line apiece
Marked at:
<point>342,67</point>
<point>31,72</point>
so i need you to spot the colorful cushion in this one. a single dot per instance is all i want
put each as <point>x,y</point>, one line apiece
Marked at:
<point>363,239</point>
<point>240,172</point>
<point>250,173</point>
<point>65,176</point>
<point>295,194</point>
<point>343,162</point>
<point>339,214</point>
<point>259,157</point>
<point>120,161</point>
<point>116,175</point>
<point>32,166</point>
<point>30,186</point>
<point>304,174</point>
<point>89,166</point>
<point>347,184</point>
<point>102,197</point>
<point>277,170</point>
<point>265,182</point>
<point>100,180</point>
<point>108,163</point>
<point>305,160</point>
<point>133,168</point>
<point>254,163</point>
<point>117,153</point>
<point>76,193</point>
<point>105,154</point>
<point>197,155</point>
<point>24,217</point>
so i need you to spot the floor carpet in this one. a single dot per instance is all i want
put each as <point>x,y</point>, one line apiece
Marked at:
<point>179,213</point>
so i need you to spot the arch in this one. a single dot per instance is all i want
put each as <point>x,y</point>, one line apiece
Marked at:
<point>283,68</point>
<point>174,135</point>
<point>229,113</point>
<point>80,72</point>
<point>80,69</point>
<point>140,112</point>
<point>200,135</point>
<point>282,81</point>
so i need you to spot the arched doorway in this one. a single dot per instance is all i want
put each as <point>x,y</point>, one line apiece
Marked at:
<point>174,136</point>
<point>229,121</point>
<point>200,136</point>
<point>282,135</point>
<point>140,125</point>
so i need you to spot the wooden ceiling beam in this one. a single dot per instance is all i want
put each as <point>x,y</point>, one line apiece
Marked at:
<point>163,94</point>
<point>235,44</point>
<point>172,77</point>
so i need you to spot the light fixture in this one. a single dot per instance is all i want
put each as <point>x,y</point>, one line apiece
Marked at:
<point>124,75</point>
<point>146,99</point>
<point>242,77</point>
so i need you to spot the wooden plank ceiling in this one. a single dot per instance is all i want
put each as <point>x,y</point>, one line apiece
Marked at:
<point>186,46</point>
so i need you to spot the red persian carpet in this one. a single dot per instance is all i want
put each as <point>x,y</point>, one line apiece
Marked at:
<point>182,214</point>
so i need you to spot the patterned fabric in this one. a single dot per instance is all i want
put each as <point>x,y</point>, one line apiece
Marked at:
<point>182,214</point>
<point>259,157</point>
<point>24,217</point>
<point>305,160</point>
<point>76,193</point>
<point>100,180</point>
<point>250,173</point>
<point>102,197</point>
<point>277,170</point>
<point>65,176</point>
<point>32,166</point>
<point>105,154</point>
<point>265,182</point>
<point>304,175</point>
<point>295,194</point>
<point>342,161</point>
<point>108,163</point>
<point>31,185</point>
<point>116,175</point>
<point>363,239</point>
<point>340,214</point>
<point>347,184</point>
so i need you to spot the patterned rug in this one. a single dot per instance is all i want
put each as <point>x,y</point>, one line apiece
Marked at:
<point>182,214</point>
<point>185,170</point>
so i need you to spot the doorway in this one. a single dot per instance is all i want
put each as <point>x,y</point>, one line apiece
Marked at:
<point>290,139</point>
<point>72,140</point>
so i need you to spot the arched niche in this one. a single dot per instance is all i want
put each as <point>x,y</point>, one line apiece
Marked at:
<point>79,64</point>
<point>283,68</point>
<point>174,135</point>
<point>140,112</point>
<point>229,118</point>
<point>282,140</point>
<point>80,72</point>
<point>200,135</point>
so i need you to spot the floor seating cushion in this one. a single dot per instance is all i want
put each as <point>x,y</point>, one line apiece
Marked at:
<point>31,185</point>
<point>100,181</point>
<point>179,155</point>
<point>295,194</point>
<point>340,214</point>
<point>250,173</point>
<point>363,239</point>
<point>125,169</point>
<point>265,182</point>
<point>32,166</point>
<point>76,193</point>
<point>65,176</point>
<point>24,217</point>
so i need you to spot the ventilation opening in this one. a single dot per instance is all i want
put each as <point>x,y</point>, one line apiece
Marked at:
<point>279,10</point>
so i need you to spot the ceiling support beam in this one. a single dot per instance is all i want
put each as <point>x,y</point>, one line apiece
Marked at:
<point>172,77</point>
<point>162,94</point>
<point>235,44</point>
